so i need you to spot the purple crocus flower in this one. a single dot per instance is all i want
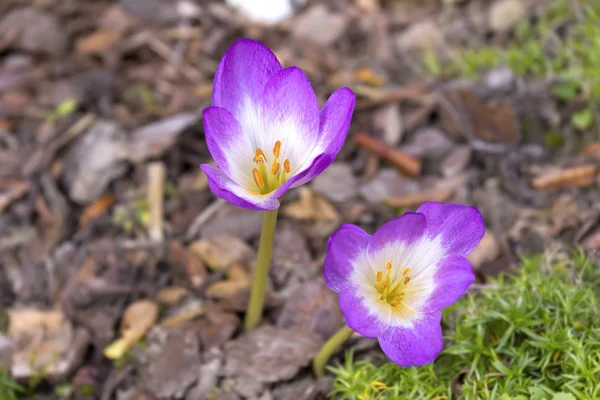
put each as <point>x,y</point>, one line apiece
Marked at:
<point>394,284</point>
<point>265,130</point>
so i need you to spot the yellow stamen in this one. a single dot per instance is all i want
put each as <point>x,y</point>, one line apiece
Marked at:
<point>258,179</point>
<point>388,266</point>
<point>286,166</point>
<point>277,149</point>
<point>379,276</point>
<point>275,168</point>
<point>406,280</point>
<point>405,271</point>
<point>260,156</point>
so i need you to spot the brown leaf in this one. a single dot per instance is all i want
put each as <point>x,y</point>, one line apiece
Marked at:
<point>581,176</point>
<point>592,150</point>
<point>138,318</point>
<point>96,209</point>
<point>237,281</point>
<point>369,77</point>
<point>97,42</point>
<point>311,207</point>
<point>46,343</point>
<point>492,122</point>
<point>220,251</point>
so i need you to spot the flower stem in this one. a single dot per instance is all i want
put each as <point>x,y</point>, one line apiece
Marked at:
<point>330,347</point>
<point>261,272</point>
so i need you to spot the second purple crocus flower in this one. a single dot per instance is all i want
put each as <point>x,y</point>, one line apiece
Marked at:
<point>393,285</point>
<point>265,130</point>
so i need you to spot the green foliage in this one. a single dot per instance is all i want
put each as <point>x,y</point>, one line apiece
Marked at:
<point>9,389</point>
<point>529,336</point>
<point>563,44</point>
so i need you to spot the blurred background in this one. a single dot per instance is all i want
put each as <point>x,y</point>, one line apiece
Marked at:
<point>123,276</point>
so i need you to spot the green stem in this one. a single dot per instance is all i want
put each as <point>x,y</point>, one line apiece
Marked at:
<point>261,271</point>
<point>330,347</point>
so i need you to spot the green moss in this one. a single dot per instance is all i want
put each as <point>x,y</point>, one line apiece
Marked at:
<point>534,334</point>
<point>9,389</point>
<point>564,43</point>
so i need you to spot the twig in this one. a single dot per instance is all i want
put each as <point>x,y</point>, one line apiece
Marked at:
<point>204,216</point>
<point>156,183</point>
<point>405,163</point>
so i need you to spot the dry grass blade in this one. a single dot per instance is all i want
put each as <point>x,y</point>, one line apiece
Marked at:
<point>402,161</point>
<point>581,176</point>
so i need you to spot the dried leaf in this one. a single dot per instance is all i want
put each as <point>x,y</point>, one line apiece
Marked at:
<point>237,281</point>
<point>97,42</point>
<point>137,319</point>
<point>487,250</point>
<point>171,295</point>
<point>96,209</point>
<point>369,77</point>
<point>220,251</point>
<point>311,207</point>
<point>581,176</point>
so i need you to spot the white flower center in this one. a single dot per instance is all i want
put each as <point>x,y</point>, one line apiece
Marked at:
<point>268,178</point>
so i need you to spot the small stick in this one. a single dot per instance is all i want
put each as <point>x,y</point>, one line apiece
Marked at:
<point>156,182</point>
<point>405,163</point>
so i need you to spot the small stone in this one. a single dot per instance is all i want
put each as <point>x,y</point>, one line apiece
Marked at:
<point>500,79</point>
<point>421,36</point>
<point>320,25</point>
<point>312,307</point>
<point>337,183</point>
<point>217,327</point>
<point>270,354</point>
<point>290,254</point>
<point>387,183</point>
<point>154,139</point>
<point>39,32</point>
<point>221,251</point>
<point>506,14</point>
<point>94,161</point>
<point>247,387</point>
<point>388,121</point>
<point>266,11</point>
<point>231,220</point>
<point>428,142</point>
<point>172,364</point>
<point>456,161</point>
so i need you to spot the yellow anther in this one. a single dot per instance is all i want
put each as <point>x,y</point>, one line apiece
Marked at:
<point>277,149</point>
<point>286,166</point>
<point>379,276</point>
<point>405,271</point>
<point>406,280</point>
<point>398,299</point>
<point>388,266</point>
<point>260,156</point>
<point>258,179</point>
<point>275,168</point>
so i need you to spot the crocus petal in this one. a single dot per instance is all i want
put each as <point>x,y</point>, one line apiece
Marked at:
<point>242,75</point>
<point>452,278</point>
<point>399,233</point>
<point>228,144</point>
<point>344,246</point>
<point>459,227</point>
<point>290,113</point>
<point>335,119</point>
<point>358,317</point>
<point>416,345</point>
<point>224,187</point>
